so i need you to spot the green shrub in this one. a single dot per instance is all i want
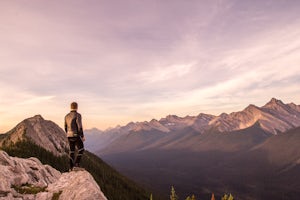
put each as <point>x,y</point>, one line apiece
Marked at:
<point>56,195</point>
<point>28,189</point>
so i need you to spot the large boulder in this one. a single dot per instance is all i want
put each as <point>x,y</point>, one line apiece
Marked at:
<point>31,180</point>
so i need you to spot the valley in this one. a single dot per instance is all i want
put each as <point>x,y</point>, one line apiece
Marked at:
<point>252,154</point>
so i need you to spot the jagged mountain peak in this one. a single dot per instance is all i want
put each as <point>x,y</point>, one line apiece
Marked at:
<point>172,117</point>
<point>222,115</point>
<point>175,118</point>
<point>130,124</point>
<point>273,103</point>
<point>252,109</point>
<point>173,122</point>
<point>203,115</point>
<point>153,121</point>
<point>36,117</point>
<point>94,131</point>
<point>294,106</point>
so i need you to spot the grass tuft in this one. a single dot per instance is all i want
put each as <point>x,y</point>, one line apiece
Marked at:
<point>28,189</point>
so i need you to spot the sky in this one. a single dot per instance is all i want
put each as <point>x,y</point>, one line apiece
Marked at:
<point>135,60</point>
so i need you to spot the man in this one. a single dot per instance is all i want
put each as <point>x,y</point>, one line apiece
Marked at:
<point>73,128</point>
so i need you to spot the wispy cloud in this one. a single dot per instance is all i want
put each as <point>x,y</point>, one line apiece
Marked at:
<point>35,100</point>
<point>135,60</point>
<point>162,73</point>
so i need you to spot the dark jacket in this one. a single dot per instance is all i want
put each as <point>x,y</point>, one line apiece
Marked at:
<point>73,124</point>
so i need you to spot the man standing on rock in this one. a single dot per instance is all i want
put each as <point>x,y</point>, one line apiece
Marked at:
<point>73,128</point>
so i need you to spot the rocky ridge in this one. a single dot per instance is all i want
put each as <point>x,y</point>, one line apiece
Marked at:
<point>19,176</point>
<point>42,132</point>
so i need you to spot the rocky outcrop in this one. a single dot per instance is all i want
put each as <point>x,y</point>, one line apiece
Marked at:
<point>42,182</point>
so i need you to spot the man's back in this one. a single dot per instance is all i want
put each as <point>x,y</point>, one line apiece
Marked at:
<point>73,125</point>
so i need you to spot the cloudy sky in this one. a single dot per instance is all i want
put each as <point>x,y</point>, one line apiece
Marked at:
<point>134,60</point>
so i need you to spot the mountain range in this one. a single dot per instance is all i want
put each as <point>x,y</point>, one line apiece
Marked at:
<point>252,153</point>
<point>274,117</point>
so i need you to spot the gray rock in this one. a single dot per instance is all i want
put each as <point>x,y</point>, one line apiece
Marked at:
<point>81,182</point>
<point>17,172</point>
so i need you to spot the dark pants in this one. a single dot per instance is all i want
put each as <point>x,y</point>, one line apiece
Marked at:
<point>75,142</point>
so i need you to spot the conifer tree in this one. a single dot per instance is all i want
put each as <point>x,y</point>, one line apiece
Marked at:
<point>225,197</point>
<point>173,195</point>
<point>188,198</point>
<point>193,197</point>
<point>212,196</point>
<point>230,197</point>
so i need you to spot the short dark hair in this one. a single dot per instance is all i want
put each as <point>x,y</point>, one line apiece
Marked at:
<point>74,106</point>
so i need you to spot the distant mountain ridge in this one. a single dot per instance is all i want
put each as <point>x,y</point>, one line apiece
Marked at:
<point>274,117</point>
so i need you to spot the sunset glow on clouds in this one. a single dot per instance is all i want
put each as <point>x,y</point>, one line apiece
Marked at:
<point>134,60</point>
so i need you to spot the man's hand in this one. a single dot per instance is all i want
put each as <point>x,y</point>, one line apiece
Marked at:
<point>83,139</point>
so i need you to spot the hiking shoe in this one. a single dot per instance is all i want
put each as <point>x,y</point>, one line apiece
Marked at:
<point>77,165</point>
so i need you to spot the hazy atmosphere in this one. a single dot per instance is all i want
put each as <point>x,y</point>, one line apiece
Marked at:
<point>133,60</point>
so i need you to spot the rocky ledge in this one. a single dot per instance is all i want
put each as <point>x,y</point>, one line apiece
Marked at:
<point>29,179</point>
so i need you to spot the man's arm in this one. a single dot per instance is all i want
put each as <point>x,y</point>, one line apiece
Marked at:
<point>66,126</point>
<point>79,126</point>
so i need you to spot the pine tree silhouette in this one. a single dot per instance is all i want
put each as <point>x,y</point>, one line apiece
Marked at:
<point>173,195</point>
<point>212,196</point>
